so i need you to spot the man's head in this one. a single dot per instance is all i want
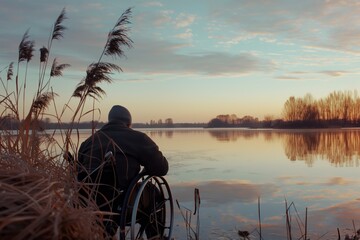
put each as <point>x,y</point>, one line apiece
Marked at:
<point>120,114</point>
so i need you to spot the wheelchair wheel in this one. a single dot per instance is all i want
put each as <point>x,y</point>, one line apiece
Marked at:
<point>147,211</point>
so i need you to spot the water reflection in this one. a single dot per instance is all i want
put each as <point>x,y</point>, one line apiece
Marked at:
<point>168,133</point>
<point>233,167</point>
<point>225,204</point>
<point>232,135</point>
<point>339,147</point>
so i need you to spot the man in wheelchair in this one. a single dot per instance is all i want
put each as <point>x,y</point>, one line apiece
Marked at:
<point>108,180</point>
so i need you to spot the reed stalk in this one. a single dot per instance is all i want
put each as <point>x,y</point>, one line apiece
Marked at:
<point>306,215</point>
<point>259,216</point>
<point>192,233</point>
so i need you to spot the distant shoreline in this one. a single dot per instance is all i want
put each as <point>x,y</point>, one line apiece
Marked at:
<point>274,124</point>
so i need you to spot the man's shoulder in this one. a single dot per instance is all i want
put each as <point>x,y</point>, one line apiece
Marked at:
<point>116,130</point>
<point>140,133</point>
<point>91,138</point>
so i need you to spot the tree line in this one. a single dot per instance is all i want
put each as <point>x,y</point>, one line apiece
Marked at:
<point>344,106</point>
<point>338,109</point>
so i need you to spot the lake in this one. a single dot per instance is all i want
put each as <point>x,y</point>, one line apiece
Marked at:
<point>235,169</point>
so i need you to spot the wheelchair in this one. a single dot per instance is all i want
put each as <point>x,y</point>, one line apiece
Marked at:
<point>147,210</point>
<point>155,221</point>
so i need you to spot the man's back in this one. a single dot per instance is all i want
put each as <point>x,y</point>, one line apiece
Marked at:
<point>130,148</point>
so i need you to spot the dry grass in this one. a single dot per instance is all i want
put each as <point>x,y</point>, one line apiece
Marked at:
<point>38,204</point>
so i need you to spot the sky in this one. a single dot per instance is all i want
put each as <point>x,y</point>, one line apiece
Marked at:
<point>193,60</point>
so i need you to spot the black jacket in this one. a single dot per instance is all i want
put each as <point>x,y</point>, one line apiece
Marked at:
<point>131,150</point>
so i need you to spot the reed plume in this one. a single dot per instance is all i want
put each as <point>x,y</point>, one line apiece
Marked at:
<point>42,101</point>
<point>10,72</point>
<point>9,75</point>
<point>44,53</point>
<point>58,29</point>
<point>96,73</point>
<point>118,36</point>
<point>57,69</point>
<point>57,33</point>
<point>26,48</point>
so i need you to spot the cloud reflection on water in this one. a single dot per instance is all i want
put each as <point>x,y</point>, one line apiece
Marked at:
<point>235,202</point>
<point>323,223</point>
<point>333,181</point>
<point>340,181</point>
<point>217,192</point>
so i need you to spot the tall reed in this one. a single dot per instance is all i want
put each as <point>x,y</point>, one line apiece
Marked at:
<point>38,192</point>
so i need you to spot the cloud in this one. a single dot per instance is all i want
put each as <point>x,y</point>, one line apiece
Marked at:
<point>153,4</point>
<point>145,21</point>
<point>319,23</point>
<point>185,35</point>
<point>94,6</point>
<point>299,72</point>
<point>334,73</point>
<point>287,78</point>
<point>163,17</point>
<point>184,20</point>
<point>84,36</point>
<point>161,57</point>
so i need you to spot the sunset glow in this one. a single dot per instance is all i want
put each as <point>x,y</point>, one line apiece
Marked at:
<point>193,60</point>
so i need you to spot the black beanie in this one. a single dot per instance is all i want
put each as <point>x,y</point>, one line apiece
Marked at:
<point>119,114</point>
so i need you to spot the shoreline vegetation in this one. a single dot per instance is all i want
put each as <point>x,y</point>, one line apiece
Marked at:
<point>337,110</point>
<point>220,121</point>
<point>38,189</point>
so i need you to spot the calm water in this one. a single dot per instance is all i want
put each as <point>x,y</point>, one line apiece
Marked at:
<point>233,168</point>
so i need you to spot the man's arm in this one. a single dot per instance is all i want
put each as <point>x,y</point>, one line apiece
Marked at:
<point>152,159</point>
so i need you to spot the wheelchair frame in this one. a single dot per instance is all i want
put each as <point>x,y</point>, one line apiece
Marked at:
<point>129,229</point>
